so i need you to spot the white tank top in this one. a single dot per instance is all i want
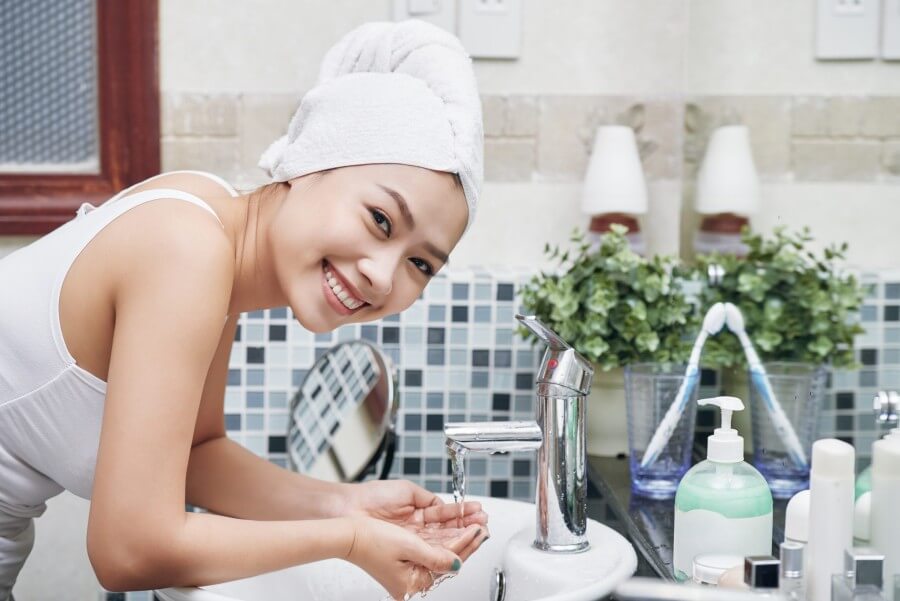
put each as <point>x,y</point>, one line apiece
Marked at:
<point>51,409</point>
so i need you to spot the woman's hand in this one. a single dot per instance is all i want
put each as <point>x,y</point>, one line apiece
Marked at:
<point>400,560</point>
<point>404,503</point>
<point>412,507</point>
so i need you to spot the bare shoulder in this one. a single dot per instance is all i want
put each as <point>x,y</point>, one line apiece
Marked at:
<point>169,235</point>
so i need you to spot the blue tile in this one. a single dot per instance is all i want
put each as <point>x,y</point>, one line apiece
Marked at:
<point>297,376</point>
<point>868,313</point>
<point>482,314</point>
<point>413,377</point>
<point>435,336</point>
<point>524,380</point>
<point>504,292</point>
<point>233,422</point>
<point>460,291</point>
<point>278,313</point>
<point>256,354</point>
<point>502,358</point>
<point>435,356</point>
<point>892,291</point>
<point>434,400</point>
<point>459,336</point>
<point>234,377</point>
<point>437,313</point>
<point>256,314</point>
<point>412,422</point>
<point>460,313</point>
<point>237,334</point>
<point>481,358</point>
<point>255,399</point>
<point>390,335</point>
<point>395,318</point>
<point>369,333</point>
<point>479,379</point>
<point>434,423</point>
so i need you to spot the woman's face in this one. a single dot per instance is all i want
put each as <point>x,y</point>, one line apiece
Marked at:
<point>361,242</point>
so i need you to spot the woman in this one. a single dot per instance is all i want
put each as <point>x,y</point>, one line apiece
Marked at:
<point>113,354</point>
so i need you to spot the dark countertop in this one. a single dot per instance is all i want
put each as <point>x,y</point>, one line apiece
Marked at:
<point>648,524</point>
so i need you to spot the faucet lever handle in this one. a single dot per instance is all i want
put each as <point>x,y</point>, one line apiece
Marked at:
<point>543,332</point>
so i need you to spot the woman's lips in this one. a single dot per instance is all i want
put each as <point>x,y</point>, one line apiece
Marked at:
<point>330,297</point>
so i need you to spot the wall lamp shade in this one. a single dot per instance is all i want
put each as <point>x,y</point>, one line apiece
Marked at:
<point>727,181</point>
<point>614,182</point>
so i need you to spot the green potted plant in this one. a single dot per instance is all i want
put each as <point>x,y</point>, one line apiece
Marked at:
<point>797,305</point>
<point>616,308</point>
<point>799,311</point>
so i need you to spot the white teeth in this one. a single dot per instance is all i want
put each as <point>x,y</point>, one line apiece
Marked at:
<point>341,294</point>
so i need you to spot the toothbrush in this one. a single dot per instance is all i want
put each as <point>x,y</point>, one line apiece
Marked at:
<point>712,323</point>
<point>735,321</point>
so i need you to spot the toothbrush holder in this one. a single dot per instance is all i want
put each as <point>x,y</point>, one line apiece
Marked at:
<point>650,389</point>
<point>800,389</point>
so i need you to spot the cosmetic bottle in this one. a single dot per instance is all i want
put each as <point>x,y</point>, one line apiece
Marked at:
<point>830,514</point>
<point>761,574</point>
<point>723,504</point>
<point>885,522</point>
<point>796,518</point>
<point>791,582</point>
<point>708,568</point>
<point>861,579</point>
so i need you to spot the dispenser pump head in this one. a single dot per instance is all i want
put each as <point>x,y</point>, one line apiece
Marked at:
<point>725,445</point>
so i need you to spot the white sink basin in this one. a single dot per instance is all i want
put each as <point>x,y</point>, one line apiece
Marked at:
<point>531,575</point>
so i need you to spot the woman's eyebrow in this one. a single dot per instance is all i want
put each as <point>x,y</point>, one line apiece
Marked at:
<point>410,222</point>
<point>401,204</point>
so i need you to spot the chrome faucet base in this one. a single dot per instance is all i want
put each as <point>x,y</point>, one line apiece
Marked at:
<point>573,548</point>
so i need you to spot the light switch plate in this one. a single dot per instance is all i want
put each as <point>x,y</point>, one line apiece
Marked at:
<point>491,28</point>
<point>440,12</point>
<point>847,29</point>
<point>890,30</point>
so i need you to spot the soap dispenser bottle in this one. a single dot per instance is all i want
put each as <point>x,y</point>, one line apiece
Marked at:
<point>722,504</point>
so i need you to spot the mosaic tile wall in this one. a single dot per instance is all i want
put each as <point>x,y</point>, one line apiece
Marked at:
<point>848,412</point>
<point>459,360</point>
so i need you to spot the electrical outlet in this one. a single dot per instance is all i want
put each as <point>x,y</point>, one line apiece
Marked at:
<point>440,12</point>
<point>890,32</point>
<point>848,7</point>
<point>846,29</point>
<point>491,28</point>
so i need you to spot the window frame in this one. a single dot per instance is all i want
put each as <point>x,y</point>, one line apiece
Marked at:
<point>128,120</point>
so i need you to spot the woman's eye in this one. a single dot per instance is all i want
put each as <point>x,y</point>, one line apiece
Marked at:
<point>422,266</point>
<point>382,221</point>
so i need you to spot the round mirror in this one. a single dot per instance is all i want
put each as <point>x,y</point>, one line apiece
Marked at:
<point>342,418</point>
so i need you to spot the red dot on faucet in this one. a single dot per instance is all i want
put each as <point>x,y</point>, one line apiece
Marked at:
<point>552,363</point>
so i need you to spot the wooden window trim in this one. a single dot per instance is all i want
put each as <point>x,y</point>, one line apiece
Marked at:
<point>128,118</point>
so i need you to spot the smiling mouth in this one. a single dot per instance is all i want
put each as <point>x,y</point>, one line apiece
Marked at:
<point>342,294</point>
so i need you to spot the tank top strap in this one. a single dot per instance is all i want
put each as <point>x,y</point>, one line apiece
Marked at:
<point>127,201</point>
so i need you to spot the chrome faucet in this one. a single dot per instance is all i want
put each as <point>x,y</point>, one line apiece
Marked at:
<point>563,381</point>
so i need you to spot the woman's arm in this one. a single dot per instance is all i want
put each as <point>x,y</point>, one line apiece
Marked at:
<point>209,549</point>
<point>231,480</point>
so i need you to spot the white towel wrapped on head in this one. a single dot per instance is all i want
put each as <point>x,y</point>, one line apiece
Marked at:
<point>389,93</point>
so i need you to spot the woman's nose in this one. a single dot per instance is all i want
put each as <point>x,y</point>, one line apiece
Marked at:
<point>380,274</point>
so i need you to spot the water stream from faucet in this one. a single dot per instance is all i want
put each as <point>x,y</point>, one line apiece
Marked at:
<point>457,455</point>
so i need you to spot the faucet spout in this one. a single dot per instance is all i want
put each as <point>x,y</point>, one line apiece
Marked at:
<point>494,437</point>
